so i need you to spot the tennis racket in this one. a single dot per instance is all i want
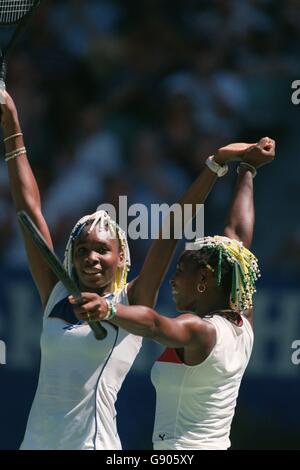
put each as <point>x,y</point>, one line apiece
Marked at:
<point>14,16</point>
<point>57,267</point>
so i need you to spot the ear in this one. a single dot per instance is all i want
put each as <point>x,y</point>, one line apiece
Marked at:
<point>121,259</point>
<point>205,276</point>
<point>202,276</point>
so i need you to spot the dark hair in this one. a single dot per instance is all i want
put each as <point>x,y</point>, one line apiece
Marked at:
<point>85,225</point>
<point>196,259</point>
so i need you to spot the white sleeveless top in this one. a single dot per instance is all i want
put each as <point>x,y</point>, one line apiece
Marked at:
<point>195,404</point>
<point>74,405</point>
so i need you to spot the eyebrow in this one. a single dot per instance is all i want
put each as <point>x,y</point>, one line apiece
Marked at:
<point>98,243</point>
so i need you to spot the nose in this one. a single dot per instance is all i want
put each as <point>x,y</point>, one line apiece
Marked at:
<point>92,258</point>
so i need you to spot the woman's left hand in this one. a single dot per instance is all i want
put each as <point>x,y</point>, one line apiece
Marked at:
<point>262,153</point>
<point>91,308</point>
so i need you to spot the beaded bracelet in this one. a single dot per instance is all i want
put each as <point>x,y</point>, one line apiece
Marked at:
<point>112,308</point>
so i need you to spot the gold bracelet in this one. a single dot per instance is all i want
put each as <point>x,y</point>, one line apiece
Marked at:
<point>8,154</point>
<point>15,155</point>
<point>12,136</point>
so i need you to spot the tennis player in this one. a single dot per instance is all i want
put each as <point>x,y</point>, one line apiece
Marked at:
<point>209,344</point>
<point>74,405</point>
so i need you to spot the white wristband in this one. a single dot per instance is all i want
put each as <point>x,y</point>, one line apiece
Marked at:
<point>220,170</point>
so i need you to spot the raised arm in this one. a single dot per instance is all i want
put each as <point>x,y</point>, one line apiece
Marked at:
<point>144,289</point>
<point>25,194</point>
<point>240,220</point>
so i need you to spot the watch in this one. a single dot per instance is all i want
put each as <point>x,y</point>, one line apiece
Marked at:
<point>220,170</point>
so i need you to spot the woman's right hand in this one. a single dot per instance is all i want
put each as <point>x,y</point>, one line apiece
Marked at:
<point>232,152</point>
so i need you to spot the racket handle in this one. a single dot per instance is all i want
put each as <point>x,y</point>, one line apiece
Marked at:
<point>2,70</point>
<point>98,330</point>
<point>2,91</point>
<point>2,82</point>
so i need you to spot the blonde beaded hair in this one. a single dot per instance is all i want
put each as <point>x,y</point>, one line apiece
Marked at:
<point>105,222</point>
<point>245,270</point>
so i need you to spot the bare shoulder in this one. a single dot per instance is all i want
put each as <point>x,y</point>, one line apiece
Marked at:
<point>204,340</point>
<point>193,320</point>
<point>203,331</point>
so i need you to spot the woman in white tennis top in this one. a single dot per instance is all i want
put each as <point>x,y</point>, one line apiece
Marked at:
<point>198,376</point>
<point>74,405</point>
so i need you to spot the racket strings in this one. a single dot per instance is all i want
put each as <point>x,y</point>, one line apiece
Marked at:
<point>12,11</point>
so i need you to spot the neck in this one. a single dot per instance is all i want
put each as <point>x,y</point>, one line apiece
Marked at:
<point>207,305</point>
<point>101,291</point>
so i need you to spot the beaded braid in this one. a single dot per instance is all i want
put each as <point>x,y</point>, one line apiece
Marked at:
<point>104,220</point>
<point>245,270</point>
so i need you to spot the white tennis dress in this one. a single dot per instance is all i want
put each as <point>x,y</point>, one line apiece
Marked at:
<point>74,405</point>
<point>195,404</point>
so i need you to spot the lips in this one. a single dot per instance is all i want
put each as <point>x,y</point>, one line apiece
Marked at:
<point>91,272</point>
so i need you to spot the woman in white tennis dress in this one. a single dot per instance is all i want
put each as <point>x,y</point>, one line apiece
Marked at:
<point>74,405</point>
<point>209,344</point>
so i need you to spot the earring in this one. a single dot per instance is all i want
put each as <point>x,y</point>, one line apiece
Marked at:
<point>201,288</point>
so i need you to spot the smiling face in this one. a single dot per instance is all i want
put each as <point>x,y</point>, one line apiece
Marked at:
<point>96,258</point>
